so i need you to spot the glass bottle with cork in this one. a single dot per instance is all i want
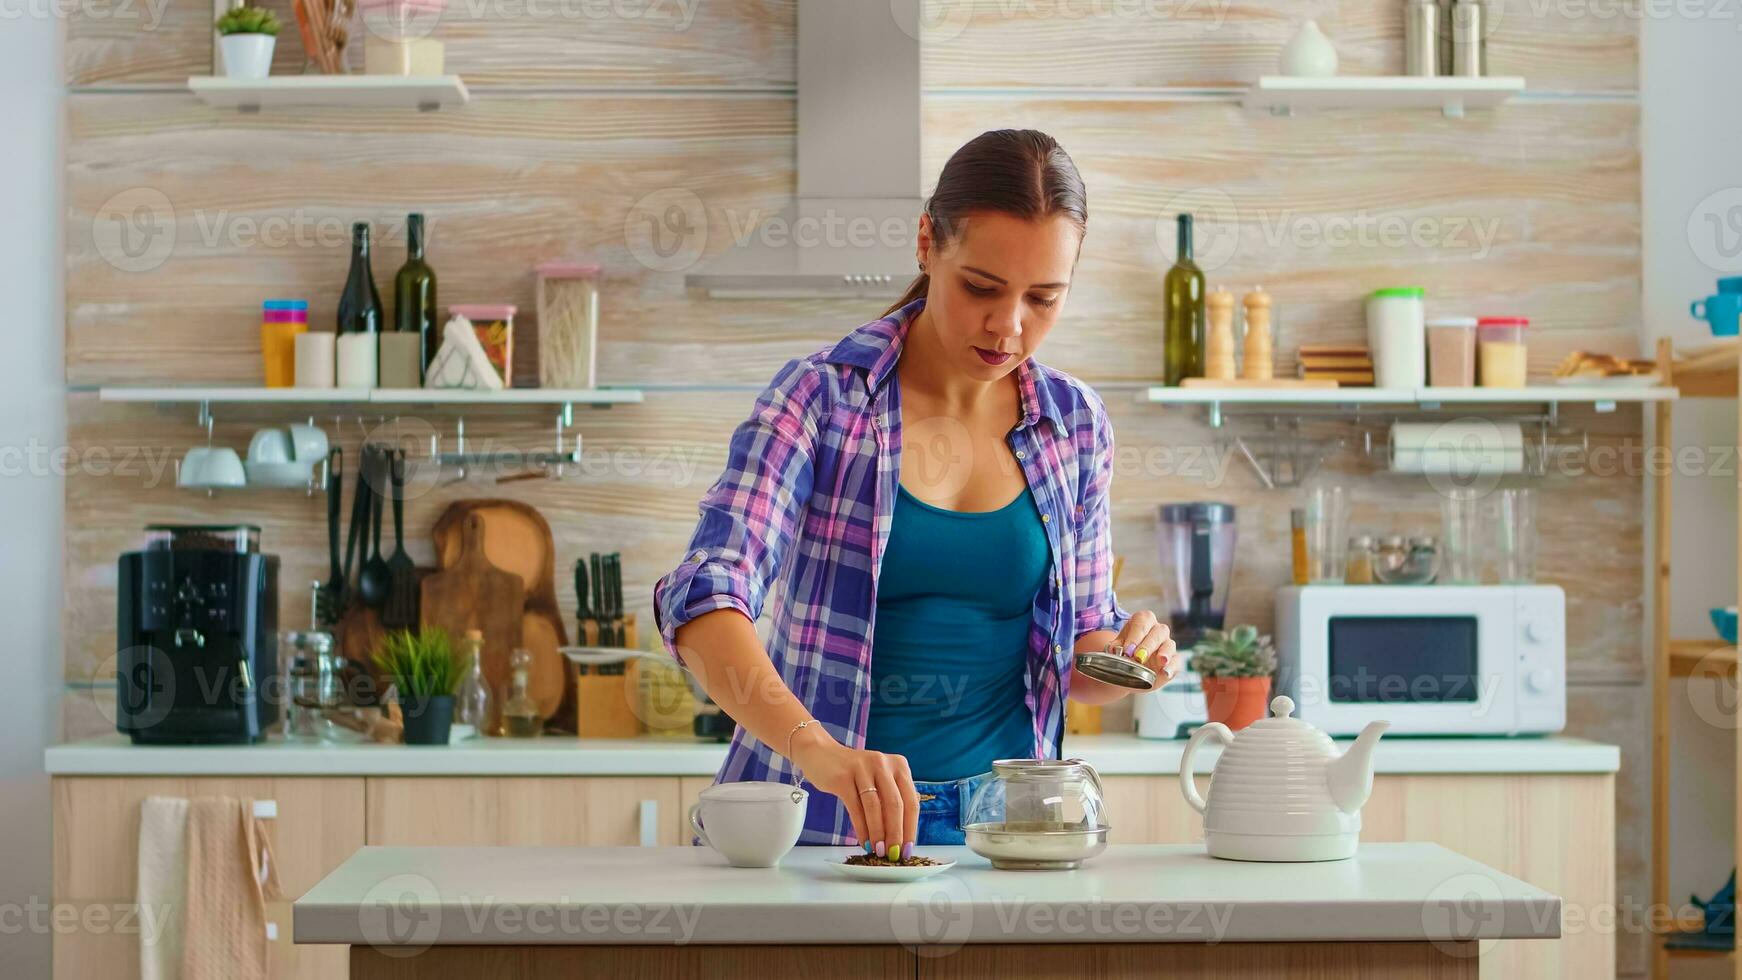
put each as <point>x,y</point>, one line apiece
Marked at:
<point>473,704</point>
<point>1182,313</point>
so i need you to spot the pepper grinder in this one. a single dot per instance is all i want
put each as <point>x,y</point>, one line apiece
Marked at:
<point>1258,360</point>
<point>1219,335</point>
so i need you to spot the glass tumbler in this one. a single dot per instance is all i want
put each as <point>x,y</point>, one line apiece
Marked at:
<point>1515,536</point>
<point>1327,533</point>
<point>1460,553</point>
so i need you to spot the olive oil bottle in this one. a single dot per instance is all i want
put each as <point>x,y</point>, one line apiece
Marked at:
<point>1182,315</point>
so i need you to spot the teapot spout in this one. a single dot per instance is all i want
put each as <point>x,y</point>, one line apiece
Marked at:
<point>1350,777</point>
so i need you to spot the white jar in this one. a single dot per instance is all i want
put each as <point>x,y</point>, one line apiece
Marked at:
<point>1397,337</point>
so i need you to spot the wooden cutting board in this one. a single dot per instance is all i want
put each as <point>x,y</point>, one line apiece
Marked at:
<point>517,539</point>
<point>474,594</point>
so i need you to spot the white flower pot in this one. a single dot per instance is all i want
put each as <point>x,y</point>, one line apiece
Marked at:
<point>247,55</point>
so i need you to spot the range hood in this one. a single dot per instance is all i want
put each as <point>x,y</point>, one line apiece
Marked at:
<point>858,165</point>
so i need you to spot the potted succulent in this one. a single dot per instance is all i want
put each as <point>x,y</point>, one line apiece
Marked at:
<point>425,669</point>
<point>246,36</point>
<point>1236,667</point>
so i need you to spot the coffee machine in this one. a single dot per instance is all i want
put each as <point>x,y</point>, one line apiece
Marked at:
<point>197,637</point>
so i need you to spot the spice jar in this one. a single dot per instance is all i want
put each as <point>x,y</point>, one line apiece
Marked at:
<point>568,324</point>
<point>1389,557</point>
<point>1500,351</point>
<point>1451,351</point>
<point>1359,570</point>
<point>1298,539</point>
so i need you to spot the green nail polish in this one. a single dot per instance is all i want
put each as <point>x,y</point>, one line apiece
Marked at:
<point>895,852</point>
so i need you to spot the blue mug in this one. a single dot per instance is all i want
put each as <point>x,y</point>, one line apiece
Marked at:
<point>1720,310</point>
<point>1730,284</point>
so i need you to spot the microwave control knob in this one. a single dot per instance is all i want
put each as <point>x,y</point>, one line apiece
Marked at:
<point>1540,680</point>
<point>1538,631</point>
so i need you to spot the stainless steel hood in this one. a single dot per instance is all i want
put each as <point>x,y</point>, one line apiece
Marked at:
<point>851,230</point>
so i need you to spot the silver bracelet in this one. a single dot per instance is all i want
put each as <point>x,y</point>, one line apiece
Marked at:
<point>795,730</point>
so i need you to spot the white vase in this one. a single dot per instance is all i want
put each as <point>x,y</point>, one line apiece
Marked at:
<point>247,55</point>
<point>1309,54</point>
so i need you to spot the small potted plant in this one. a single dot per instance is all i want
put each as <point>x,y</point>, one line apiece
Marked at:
<point>425,669</point>
<point>1236,667</point>
<point>246,36</point>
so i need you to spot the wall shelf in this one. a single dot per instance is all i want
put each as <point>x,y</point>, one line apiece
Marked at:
<point>1601,396</point>
<point>422,92</point>
<point>237,395</point>
<point>1282,94</point>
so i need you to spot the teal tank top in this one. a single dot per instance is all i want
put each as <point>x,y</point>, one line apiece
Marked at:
<point>949,650</point>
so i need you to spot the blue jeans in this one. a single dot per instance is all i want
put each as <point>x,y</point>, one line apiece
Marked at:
<point>941,806</point>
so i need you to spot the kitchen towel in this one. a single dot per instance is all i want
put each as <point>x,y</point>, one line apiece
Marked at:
<point>1465,447</point>
<point>231,873</point>
<point>161,892</point>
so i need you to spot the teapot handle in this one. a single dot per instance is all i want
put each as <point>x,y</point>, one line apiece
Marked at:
<point>1094,777</point>
<point>1215,730</point>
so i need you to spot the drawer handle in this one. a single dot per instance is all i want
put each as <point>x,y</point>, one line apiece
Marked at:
<point>266,809</point>
<point>649,823</point>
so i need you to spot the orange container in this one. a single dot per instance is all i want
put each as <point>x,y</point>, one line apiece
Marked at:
<point>281,320</point>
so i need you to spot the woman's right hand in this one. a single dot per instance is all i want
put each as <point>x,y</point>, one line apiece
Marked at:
<point>875,787</point>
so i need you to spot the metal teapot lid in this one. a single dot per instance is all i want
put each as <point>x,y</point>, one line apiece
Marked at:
<point>1113,669</point>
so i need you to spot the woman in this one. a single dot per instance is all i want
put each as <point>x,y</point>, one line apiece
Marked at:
<point>934,505</point>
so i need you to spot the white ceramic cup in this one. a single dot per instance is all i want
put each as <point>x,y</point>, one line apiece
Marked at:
<point>210,467</point>
<point>752,824</point>
<point>308,443</point>
<point>269,446</point>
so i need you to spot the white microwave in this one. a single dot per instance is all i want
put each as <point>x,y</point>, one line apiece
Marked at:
<point>1430,659</point>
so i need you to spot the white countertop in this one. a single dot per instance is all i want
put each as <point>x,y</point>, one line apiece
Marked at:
<point>1111,755</point>
<point>422,896</point>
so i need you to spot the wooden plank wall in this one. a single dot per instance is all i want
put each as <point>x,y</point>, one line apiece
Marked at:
<point>586,115</point>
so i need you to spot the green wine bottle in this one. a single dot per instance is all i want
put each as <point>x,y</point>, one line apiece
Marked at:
<point>1182,313</point>
<point>414,292</point>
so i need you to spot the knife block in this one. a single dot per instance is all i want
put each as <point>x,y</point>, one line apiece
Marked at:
<point>605,704</point>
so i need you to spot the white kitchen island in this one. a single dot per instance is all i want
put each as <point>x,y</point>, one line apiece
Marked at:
<point>1395,910</point>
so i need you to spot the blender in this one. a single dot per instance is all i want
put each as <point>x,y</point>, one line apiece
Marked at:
<point>1197,565</point>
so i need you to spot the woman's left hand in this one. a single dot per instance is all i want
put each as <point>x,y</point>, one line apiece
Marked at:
<point>1150,643</point>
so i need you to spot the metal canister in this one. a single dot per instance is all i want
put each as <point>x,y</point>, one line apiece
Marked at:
<point>1469,39</point>
<point>1421,37</point>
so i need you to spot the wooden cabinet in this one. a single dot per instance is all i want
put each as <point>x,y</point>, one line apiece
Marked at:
<point>553,811</point>
<point>96,857</point>
<point>1556,832</point>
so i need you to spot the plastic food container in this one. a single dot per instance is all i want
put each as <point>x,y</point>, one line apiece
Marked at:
<point>1451,351</point>
<point>494,324</point>
<point>1500,351</point>
<point>281,320</point>
<point>1396,336</point>
<point>568,324</point>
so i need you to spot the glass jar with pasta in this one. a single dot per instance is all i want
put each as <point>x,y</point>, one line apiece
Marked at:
<point>568,324</point>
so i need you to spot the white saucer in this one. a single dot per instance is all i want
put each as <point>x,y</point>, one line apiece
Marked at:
<point>892,872</point>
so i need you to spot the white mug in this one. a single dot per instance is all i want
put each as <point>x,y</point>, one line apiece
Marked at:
<point>753,824</point>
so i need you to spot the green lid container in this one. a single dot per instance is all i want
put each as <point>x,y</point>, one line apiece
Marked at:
<point>1400,292</point>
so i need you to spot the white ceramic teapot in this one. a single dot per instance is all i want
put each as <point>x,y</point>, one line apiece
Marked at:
<point>1280,791</point>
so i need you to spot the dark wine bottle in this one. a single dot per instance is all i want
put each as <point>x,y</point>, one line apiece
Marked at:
<point>360,304</point>
<point>414,293</point>
<point>1182,313</point>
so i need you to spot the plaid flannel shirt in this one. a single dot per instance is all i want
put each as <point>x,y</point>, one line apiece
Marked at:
<point>805,505</point>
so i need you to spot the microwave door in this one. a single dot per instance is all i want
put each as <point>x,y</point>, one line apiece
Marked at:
<point>1423,671</point>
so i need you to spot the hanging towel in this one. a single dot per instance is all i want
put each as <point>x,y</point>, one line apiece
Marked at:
<point>231,873</point>
<point>161,893</point>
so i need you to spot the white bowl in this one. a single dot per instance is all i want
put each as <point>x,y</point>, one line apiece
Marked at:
<point>211,467</point>
<point>290,476</point>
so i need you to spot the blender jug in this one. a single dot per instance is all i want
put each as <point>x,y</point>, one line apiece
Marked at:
<point>1197,564</point>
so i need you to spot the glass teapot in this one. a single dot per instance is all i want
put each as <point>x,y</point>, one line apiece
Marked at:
<point>1039,795</point>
